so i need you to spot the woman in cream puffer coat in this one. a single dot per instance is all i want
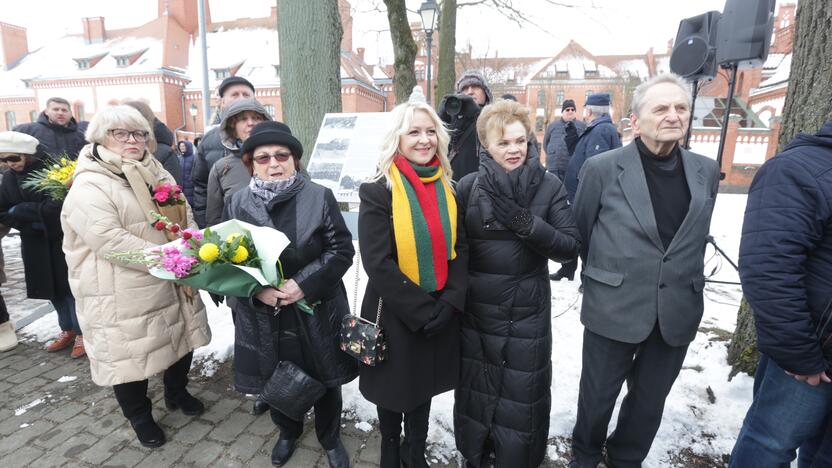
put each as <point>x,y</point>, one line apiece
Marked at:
<point>135,325</point>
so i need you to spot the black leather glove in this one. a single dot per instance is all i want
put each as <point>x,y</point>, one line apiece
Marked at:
<point>442,315</point>
<point>511,215</point>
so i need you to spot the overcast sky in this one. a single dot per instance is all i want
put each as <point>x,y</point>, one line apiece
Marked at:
<point>602,26</point>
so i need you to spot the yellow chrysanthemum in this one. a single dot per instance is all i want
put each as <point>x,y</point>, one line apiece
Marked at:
<point>240,255</point>
<point>209,252</point>
<point>231,237</point>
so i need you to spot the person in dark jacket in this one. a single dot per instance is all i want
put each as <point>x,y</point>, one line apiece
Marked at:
<point>562,129</point>
<point>38,219</point>
<point>598,137</point>
<point>464,146</point>
<point>210,148</point>
<point>186,163</point>
<point>280,195</point>
<point>785,268</point>
<point>229,174</point>
<point>516,219</point>
<point>162,143</point>
<point>420,292</point>
<point>56,129</point>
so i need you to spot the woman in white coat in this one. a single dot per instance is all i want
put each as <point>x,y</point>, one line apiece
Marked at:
<point>135,325</point>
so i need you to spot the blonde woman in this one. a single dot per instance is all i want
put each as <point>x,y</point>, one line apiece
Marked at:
<point>414,252</point>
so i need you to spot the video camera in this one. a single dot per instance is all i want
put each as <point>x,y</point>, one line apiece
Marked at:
<point>458,110</point>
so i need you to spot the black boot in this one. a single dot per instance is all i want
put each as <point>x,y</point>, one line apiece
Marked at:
<point>283,450</point>
<point>415,437</point>
<point>338,457</point>
<point>390,454</point>
<point>186,402</point>
<point>560,274</point>
<point>148,432</point>
<point>259,407</point>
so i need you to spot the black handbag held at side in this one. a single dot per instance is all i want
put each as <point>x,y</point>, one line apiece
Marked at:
<point>290,390</point>
<point>359,337</point>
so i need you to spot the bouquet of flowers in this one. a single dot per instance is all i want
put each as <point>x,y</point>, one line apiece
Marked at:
<point>167,194</point>
<point>233,258</point>
<point>54,179</point>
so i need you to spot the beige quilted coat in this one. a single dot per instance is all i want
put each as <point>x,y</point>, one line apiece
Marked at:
<point>134,324</point>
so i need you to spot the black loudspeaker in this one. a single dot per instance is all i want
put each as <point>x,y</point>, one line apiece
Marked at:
<point>694,52</point>
<point>745,32</point>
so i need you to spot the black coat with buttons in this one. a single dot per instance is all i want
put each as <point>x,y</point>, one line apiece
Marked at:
<point>417,367</point>
<point>506,370</point>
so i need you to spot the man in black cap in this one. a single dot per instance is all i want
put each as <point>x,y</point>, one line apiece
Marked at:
<point>210,149</point>
<point>600,136</point>
<point>559,135</point>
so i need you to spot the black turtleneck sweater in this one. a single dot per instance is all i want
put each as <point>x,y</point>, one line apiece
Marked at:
<point>669,192</point>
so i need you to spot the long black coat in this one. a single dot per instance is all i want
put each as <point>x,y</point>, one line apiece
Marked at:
<point>320,253</point>
<point>38,220</point>
<point>504,388</point>
<point>56,139</point>
<point>417,367</point>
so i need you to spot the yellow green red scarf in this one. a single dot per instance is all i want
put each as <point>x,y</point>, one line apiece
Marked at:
<point>424,222</point>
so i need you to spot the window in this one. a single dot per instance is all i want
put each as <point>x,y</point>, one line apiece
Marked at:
<point>560,97</point>
<point>420,74</point>
<point>588,93</point>
<point>79,111</point>
<point>276,71</point>
<point>11,120</point>
<point>123,61</point>
<point>538,124</point>
<point>269,109</point>
<point>541,99</point>
<point>590,73</point>
<point>33,116</point>
<point>83,64</point>
<point>222,73</point>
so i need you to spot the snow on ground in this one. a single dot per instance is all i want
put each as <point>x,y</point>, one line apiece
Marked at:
<point>690,419</point>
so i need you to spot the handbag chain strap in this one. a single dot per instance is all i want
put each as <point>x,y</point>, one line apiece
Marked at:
<point>356,312</point>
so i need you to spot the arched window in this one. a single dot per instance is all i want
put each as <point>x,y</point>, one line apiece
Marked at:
<point>541,99</point>
<point>11,120</point>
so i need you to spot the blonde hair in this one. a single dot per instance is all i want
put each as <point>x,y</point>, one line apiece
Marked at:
<point>402,118</point>
<point>495,117</point>
<point>121,116</point>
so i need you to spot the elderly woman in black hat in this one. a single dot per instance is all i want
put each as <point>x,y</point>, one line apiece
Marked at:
<point>268,328</point>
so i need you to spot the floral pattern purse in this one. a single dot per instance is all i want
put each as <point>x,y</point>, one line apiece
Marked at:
<point>359,337</point>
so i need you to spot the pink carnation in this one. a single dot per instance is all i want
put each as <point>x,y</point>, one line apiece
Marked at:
<point>160,196</point>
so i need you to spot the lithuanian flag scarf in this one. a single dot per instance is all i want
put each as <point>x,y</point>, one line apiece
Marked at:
<point>424,222</point>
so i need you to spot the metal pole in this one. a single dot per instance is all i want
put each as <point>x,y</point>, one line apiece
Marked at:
<point>430,41</point>
<point>206,93</point>
<point>692,108</point>
<point>725,117</point>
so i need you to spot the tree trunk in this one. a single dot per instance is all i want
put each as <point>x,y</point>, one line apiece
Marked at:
<point>404,49</point>
<point>742,351</point>
<point>808,105</point>
<point>809,98</point>
<point>446,76</point>
<point>310,65</point>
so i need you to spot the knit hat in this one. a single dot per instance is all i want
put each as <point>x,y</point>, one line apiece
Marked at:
<point>598,99</point>
<point>18,143</point>
<point>272,133</point>
<point>232,80</point>
<point>567,104</point>
<point>474,78</point>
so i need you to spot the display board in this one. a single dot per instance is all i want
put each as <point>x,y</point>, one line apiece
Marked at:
<point>346,152</point>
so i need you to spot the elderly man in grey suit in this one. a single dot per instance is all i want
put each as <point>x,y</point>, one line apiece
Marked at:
<point>644,211</point>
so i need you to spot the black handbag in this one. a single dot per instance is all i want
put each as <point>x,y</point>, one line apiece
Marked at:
<point>361,338</point>
<point>290,390</point>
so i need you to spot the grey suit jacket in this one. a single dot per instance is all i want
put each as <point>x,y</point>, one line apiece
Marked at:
<point>630,280</point>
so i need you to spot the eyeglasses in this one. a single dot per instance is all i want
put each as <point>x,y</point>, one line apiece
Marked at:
<point>264,158</point>
<point>569,109</point>
<point>123,135</point>
<point>11,159</point>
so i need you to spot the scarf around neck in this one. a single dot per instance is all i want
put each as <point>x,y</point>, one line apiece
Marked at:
<point>140,174</point>
<point>519,185</point>
<point>266,190</point>
<point>424,222</point>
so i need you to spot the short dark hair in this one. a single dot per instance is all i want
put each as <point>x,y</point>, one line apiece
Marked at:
<point>59,100</point>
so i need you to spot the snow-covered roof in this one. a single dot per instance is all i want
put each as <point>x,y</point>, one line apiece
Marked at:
<point>773,61</point>
<point>781,74</point>
<point>577,67</point>
<point>636,68</point>
<point>378,73</point>
<point>60,59</point>
<point>254,51</point>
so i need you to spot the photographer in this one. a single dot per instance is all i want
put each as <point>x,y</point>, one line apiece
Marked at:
<point>460,112</point>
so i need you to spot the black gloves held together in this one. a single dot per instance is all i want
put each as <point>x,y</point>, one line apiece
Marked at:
<point>442,315</point>
<point>512,215</point>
